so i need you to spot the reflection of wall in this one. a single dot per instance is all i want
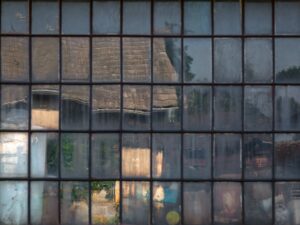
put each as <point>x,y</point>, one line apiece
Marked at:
<point>45,118</point>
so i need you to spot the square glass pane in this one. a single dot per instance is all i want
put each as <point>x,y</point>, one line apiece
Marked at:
<point>258,17</point>
<point>44,107</point>
<point>105,155</point>
<point>228,60</point>
<point>166,154</point>
<point>197,60</point>
<point>136,107</point>
<point>197,108</point>
<point>74,203</point>
<point>44,202</point>
<point>75,59</point>
<point>14,17</point>
<point>227,156</point>
<point>13,154</point>
<point>257,155</point>
<point>166,111</point>
<point>136,203</point>
<point>228,108</point>
<point>136,155</point>
<point>74,155</point>
<point>287,60</point>
<point>136,17</point>
<point>14,202</point>
<point>258,108</point>
<point>258,203</point>
<point>258,60</point>
<point>287,108</point>
<point>75,17</point>
<point>14,107</point>
<point>227,17</point>
<point>197,156</point>
<point>44,154</point>
<point>106,107</point>
<point>75,106</point>
<point>45,59</point>
<point>106,59</point>
<point>197,17</point>
<point>105,202</point>
<point>106,16</point>
<point>167,17</point>
<point>45,17</point>
<point>197,203</point>
<point>136,59</point>
<point>166,203</point>
<point>14,58</point>
<point>227,203</point>
<point>286,156</point>
<point>166,60</point>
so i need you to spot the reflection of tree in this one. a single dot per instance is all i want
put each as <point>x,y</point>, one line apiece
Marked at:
<point>292,74</point>
<point>198,102</point>
<point>187,65</point>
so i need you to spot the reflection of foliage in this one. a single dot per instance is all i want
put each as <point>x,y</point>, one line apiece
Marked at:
<point>108,186</point>
<point>52,147</point>
<point>79,193</point>
<point>226,102</point>
<point>99,219</point>
<point>291,74</point>
<point>187,67</point>
<point>294,107</point>
<point>67,152</point>
<point>198,102</point>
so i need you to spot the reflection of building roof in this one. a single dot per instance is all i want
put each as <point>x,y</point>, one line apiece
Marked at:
<point>287,147</point>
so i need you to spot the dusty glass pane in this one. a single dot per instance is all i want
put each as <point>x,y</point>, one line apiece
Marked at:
<point>136,17</point>
<point>136,203</point>
<point>74,155</point>
<point>106,107</point>
<point>13,201</point>
<point>44,202</point>
<point>166,203</point>
<point>287,60</point>
<point>258,108</point>
<point>106,59</point>
<point>227,203</point>
<point>105,155</point>
<point>167,17</point>
<point>258,60</point>
<point>136,155</point>
<point>13,154</point>
<point>106,17</point>
<point>258,203</point>
<point>14,58</point>
<point>197,203</point>
<point>227,156</point>
<point>166,111</point>
<point>45,59</point>
<point>75,59</point>
<point>257,152</point>
<point>136,107</point>
<point>75,107</point>
<point>44,107</point>
<point>287,108</point>
<point>197,60</point>
<point>14,106</point>
<point>197,17</point>
<point>197,110</point>
<point>197,156</point>
<point>75,17</point>
<point>45,17</point>
<point>105,202</point>
<point>14,17</point>
<point>228,107</point>
<point>74,203</point>
<point>228,60</point>
<point>44,154</point>
<point>166,152</point>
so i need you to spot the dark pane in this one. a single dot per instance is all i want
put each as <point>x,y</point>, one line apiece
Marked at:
<point>197,203</point>
<point>44,154</point>
<point>44,202</point>
<point>197,156</point>
<point>166,203</point>
<point>227,156</point>
<point>136,203</point>
<point>136,155</point>
<point>166,154</point>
